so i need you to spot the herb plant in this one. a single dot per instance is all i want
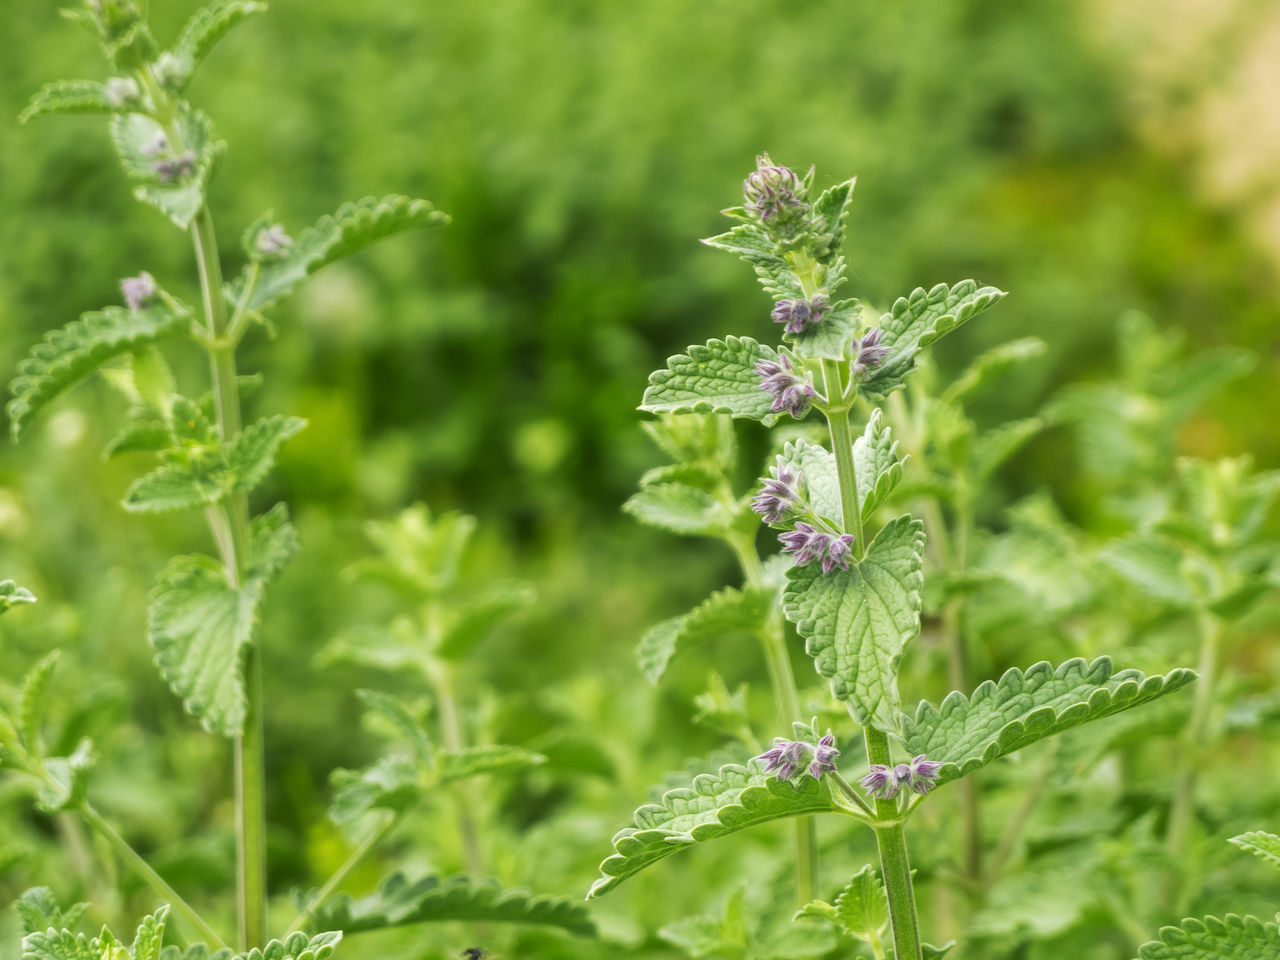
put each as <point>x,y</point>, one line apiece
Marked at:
<point>855,581</point>
<point>204,609</point>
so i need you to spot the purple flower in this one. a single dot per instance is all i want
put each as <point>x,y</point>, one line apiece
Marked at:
<point>884,782</point>
<point>138,291</point>
<point>273,240</point>
<point>791,391</point>
<point>789,757</point>
<point>800,315</point>
<point>179,168</point>
<point>773,192</point>
<point>869,352</point>
<point>780,494</point>
<point>808,544</point>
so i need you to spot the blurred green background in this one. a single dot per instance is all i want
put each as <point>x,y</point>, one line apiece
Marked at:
<point>494,366</point>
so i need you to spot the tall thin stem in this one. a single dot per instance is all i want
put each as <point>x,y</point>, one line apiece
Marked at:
<point>451,735</point>
<point>1196,734</point>
<point>787,698</point>
<point>362,850</point>
<point>895,865</point>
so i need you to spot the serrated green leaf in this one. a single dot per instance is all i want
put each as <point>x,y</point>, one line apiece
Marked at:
<point>680,509</point>
<point>857,622</point>
<point>917,321</point>
<point>967,733</point>
<point>1260,844</point>
<point>820,481</point>
<point>12,595</point>
<point>68,779</point>
<point>31,701</point>
<point>402,719</point>
<point>829,212</point>
<point>454,765</point>
<point>861,907</point>
<point>478,617</point>
<point>71,96</point>
<point>831,337</point>
<point>1152,565</point>
<point>876,462</point>
<point>719,377</point>
<point>200,624</point>
<point>296,946</point>
<point>726,611</point>
<point>39,911</point>
<point>197,951</point>
<point>702,441</point>
<point>139,436</point>
<point>752,244</point>
<point>348,230</point>
<point>995,446</point>
<point>136,137</point>
<point>206,27</point>
<point>393,783</point>
<point>1232,938</point>
<point>149,939</point>
<point>401,903</point>
<point>179,486</point>
<point>714,805</point>
<point>66,355</point>
<point>53,944</point>
<point>251,454</point>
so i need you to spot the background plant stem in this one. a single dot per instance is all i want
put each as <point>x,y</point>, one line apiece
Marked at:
<point>1195,737</point>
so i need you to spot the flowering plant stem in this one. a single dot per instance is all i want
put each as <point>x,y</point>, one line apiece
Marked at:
<point>895,867</point>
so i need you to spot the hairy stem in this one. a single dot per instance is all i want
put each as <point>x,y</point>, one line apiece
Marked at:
<point>153,879</point>
<point>895,866</point>
<point>773,639</point>
<point>362,850</point>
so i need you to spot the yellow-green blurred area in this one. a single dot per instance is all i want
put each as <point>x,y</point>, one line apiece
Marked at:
<point>1093,159</point>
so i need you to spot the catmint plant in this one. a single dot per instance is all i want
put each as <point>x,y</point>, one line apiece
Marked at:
<point>854,581</point>
<point>204,611</point>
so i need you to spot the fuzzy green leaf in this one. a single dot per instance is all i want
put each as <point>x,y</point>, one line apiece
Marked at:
<point>876,461</point>
<point>829,212</point>
<point>31,702</point>
<point>726,611</point>
<point>857,622</point>
<point>1152,565</point>
<point>149,939</point>
<point>719,377</point>
<point>1232,938</point>
<point>476,618</point>
<point>349,230</point>
<point>966,733</point>
<point>680,509</point>
<point>993,364</point>
<point>861,908</point>
<point>178,486</point>
<point>68,779</point>
<point>462,764</point>
<point>817,466</point>
<point>393,783</point>
<point>206,27</point>
<point>252,453</point>
<point>998,444</point>
<point>296,946</point>
<point>71,96</point>
<point>66,355</point>
<point>917,321</point>
<point>714,805</point>
<point>200,624</point>
<point>400,903</point>
<point>831,337</point>
<point>54,944</point>
<point>39,911</point>
<point>12,595</point>
<point>1260,844</point>
<point>139,436</point>
<point>136,136</point>
<point>402,719</point>
<point>752,244</point>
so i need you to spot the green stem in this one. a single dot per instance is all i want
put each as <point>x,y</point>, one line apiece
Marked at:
<point>362,850</point>
<point>787,698</point>
<point>842,447</point>
<point>1195,735</point>
<point>153,879</point>
<point>451,735</point>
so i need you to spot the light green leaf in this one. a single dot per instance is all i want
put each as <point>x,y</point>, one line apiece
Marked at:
<point>753,245</point>
<point>829,212</point>
<point>705,442</point>
<point>717,378</point>
<point>393,783</point>
<point>929,952</point>
<point>12,595</point>
<point>817,468</point>
<point>179,486</point>
<point>967,733</point>
<point>66,355</point>
<point>149,939</point>
<point>917,321</point>
<point>857,622</point>
<point>995,446</point>
<point>1152,565</point>
<point>876,461</point>
<point>402,719</point>
<point>680,509</point>
<point>68,779</point>
<point>477,618</point>
<point>861,908</point>
<point>400,903</point>
<point>1232,938</point>
<point>252,452</point>
<point>31,702</point>
<point>138,436</point>
<point>726,611</point>
<point>200,624</point>
<point>71,96</point>
<point>1260,844</point>
<point>53,944</point>
<point>39,911</point>
<point>993,364</point>
<point>349,230</point>
<point>206,27</point>
<point>831,337</point>
<point>296,946</point>
<point>135,137</point>
<point>713,806</point>
<point>462,764</point>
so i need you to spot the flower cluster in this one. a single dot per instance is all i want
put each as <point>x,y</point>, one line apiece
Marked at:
<point>169,165</point>
<point>122,90</point>
<point>789,757</point>
<point>885,782</point>
<point>809,544</point>
<point>138,291</point>
<point>869,352</point>
<point>799,315</point>
<point>273,241</point>
<point>781,494</point>
<point>774,192</point>
<point>791,390</point>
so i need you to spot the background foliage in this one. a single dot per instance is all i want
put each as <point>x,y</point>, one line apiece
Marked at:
<point>494,367</point>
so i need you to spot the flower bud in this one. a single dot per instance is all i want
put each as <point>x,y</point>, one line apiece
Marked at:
<point>138,291</point>
<point>869,352</point>
<point>779,495</point>
<point>885,782</point>
<point>807,544</point>
<point>272,241</point>
<point>122,91</point>
<point>799,315</point>
<point>787,758</point>
<point>774,192</point>
<point>791,391</point>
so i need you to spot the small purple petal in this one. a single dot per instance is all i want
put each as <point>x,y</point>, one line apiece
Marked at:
<point>138,291</point>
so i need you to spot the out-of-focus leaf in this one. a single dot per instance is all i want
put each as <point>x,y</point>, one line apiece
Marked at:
<point>1260,844</point>
<point>1231,938</point>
